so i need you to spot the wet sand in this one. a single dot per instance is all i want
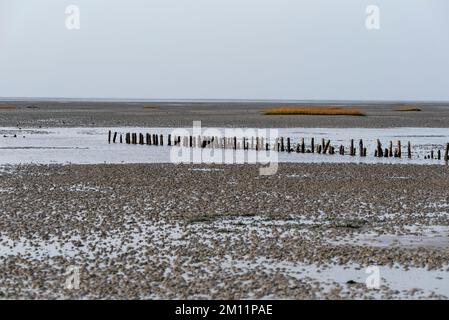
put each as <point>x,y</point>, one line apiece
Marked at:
<point>203,231</point>
<point>213,114</point>
<point>165,231</point>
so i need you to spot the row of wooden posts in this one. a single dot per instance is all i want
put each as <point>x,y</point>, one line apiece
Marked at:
<point>280,145</point>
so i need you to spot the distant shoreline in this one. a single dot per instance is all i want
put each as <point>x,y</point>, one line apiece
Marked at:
<point>288,101</point>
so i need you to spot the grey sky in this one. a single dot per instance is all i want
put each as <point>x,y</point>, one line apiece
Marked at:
<point>225,49</point>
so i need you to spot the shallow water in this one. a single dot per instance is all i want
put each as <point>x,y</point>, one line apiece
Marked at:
<point>90,145</point>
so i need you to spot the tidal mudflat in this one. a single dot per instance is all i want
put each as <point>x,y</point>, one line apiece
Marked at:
<point>134,225</point>
<point>223,231</point>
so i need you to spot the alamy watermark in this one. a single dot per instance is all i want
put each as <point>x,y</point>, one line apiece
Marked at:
<point>226,146</point>
<point>72,281</point>
<point>72,17</point>
<point>373,280</point>
<point>372,21</point>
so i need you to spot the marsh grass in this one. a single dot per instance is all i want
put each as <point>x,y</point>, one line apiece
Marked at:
<point>407,109</point>
<point>320,111</point>
<point>7,107</point>
<point>149,106</point>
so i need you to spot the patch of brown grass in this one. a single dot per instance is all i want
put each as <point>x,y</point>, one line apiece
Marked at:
<point>407,108</point>
<point>150,106</point>
<point>7,106</point>
<point>319,111</point>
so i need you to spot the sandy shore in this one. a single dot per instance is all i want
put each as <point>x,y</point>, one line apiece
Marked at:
<point>167,231</point>
<point>212,114</point>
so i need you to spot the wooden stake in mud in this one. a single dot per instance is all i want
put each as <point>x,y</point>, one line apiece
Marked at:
<point>409,150</point>
<point>399,149</point>
<point>379,148</point>
<point>288,145</point>
<point>326,146</point>
<point>312,142</point>
<point>361,147</point>
<point>162,140</point>
<point>282,144</point>
<point>322,144</point>
<point>390,149</point>
<point>109,136</point>
<point>169,140</point>
<point>140,138</point>
<point>439,154</point>
<point>446,153</point>
<point>127,138</point>
<point>303,146</point>
<point>342,150</point>
<point>235,143</point>
<point>352,153</point>
<point>431,154</point>
<point>121,140</point>
<point>115,137</point>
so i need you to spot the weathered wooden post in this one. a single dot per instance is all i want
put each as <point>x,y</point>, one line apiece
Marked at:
<point>109,137</point>
<point>322,144</point>
<point>326,146</point>
<point>399,149</point>
<point>282,144</point>
<point>409,150</point>
<point>431,154</point>
<point>288,145</point>
<point>162,140</point>
<point>439,154</point>
<point>312,142</point>
<point>361,147</point>
<point>303,146</point>
<point>379,149</point>
<point>121,140</point>
<point>446,153</point>
<point>115,137</point>
<point>235,143</point>
<point>390,149</point>
<point>352,153</point>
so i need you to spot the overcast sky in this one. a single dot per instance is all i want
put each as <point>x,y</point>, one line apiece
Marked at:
<point>225,49</point>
